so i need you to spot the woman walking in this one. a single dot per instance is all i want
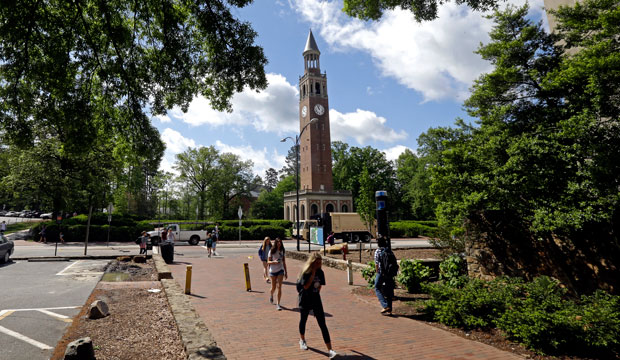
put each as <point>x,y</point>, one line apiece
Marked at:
<point>277,269</point>
<point>214,238</point>
<point>309,283</point>
<point>209,244</point>
<point>263,252</point>
<point>143,240</point>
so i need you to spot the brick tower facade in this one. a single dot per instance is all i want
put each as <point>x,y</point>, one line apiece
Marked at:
<point>316,185</point>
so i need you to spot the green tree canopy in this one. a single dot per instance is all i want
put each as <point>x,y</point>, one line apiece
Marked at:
<point>549,127</point>
<point>422,9</point>
<point>70,64</point>
<point>270,205</point>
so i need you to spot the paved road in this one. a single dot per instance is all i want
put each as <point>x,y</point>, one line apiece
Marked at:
<point>38,301</point>
<point>29,248</point>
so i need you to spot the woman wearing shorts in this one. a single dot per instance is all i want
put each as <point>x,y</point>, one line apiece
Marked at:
<point>263,251</point>
<point>277,269</point>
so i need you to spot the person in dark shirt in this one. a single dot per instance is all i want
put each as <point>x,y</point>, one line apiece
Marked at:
<point>309,283</point>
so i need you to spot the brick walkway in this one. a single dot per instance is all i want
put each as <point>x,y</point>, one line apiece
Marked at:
<point>246,326</point>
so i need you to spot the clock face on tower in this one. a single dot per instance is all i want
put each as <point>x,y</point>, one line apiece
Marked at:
<point>304,111</point>
<point>319,109</point>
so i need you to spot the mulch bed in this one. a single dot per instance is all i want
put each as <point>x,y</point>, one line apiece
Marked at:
<point>140,325</point>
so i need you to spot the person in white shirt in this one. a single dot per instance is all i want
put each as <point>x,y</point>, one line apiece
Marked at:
<point>277,269</point>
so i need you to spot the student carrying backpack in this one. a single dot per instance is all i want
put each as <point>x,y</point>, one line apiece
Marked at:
<point>386,267</point>
<point>388,264</point>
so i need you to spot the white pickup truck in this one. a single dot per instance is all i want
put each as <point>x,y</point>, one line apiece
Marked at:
<point>191,236</point>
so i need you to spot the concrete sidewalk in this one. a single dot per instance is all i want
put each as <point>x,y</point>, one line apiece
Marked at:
<point>246,326</point>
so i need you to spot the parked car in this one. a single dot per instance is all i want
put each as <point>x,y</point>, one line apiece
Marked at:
<point>6,249</point>
<point>12,213</point>
<point>46,216</point>
<point>2,212</point>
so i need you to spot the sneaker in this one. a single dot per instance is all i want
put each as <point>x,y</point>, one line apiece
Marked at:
<point>271,300</point>
<point>302,345</point>
<point>332,354</point>
<point>278,307</point>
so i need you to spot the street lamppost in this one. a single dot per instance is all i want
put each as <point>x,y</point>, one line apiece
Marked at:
<point>296,140</point>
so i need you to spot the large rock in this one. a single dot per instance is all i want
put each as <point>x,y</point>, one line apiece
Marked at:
<point>80,349</point>
<point>98,309</point>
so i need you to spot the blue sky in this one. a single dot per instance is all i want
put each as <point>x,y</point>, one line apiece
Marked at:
<point>388,81</point>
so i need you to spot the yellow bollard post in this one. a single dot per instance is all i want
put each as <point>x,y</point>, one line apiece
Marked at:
<point>188,279</point>
<point>246,271</point>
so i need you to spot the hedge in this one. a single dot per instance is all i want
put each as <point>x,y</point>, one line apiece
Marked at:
<point>255,232</point>
<point>411,229</point>
<point>76,232</point>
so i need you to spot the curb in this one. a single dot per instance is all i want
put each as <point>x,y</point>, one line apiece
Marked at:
<point>196,338</point>
<point>74,257</point>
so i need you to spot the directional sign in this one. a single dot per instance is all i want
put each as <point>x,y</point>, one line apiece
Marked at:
<point>240,212</point>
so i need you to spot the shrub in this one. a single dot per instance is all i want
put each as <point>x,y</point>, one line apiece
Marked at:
<point>411,229</point>
<point>369,273</point>
<point>476,305</point>
<point>451,270</point>
<point>541,318</point>
<point>599,321</point>
<point>412,274</point>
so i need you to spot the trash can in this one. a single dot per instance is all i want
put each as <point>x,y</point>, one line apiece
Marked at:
<point>167,252</point>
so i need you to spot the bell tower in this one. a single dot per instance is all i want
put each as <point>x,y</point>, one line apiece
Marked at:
<point>315,145</point>
<point>316,184</point>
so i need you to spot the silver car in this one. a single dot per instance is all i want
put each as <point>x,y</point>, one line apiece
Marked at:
<point>6,249</point>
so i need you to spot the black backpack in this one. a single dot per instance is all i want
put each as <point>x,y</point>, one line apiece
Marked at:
<point>388,264</point>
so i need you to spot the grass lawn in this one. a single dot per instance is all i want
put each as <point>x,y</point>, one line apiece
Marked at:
<point>15,227</point>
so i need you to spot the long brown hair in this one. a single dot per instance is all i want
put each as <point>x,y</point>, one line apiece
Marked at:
<point>274,247</point>
<point>308,264</point>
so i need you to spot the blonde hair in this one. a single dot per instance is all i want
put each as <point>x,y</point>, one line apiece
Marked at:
<point>265,242</point>
<point>308,265</point>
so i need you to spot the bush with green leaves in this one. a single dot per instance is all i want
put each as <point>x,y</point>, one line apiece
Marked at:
<point>412,274</point>
<point>452,269</point>
<point>538,314</point>
<point>544,319</point>
<point>412,229</point>
<point>475,305</point>
<point>369,273</point>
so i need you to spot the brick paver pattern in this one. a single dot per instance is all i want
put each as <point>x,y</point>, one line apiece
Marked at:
<point>246,326</point>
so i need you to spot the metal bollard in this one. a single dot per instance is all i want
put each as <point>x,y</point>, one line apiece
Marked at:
<point>188,279</point>
<point>246,272</point>
<point>350,272</point>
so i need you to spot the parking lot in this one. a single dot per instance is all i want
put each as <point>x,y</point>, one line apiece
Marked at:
<point>38,301</point>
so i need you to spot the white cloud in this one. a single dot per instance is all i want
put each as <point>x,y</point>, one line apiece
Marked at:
<point>363,126</point>
<point>261,158</point>
<point>163,118</point>
<point>273,109</point>
<point>394,152</point>
<point>175,142</point>
<point>435,58</point>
